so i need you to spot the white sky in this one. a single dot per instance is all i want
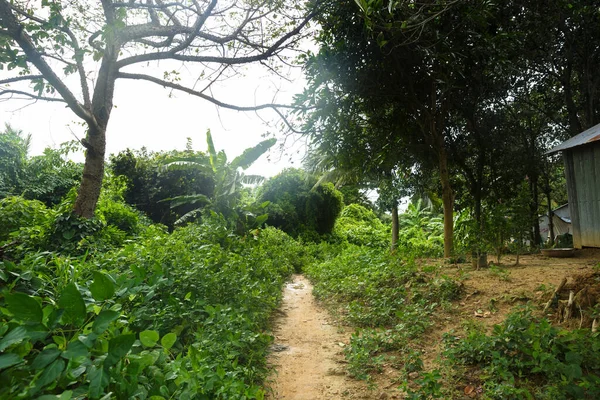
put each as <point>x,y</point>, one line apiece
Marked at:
<point>160,119</point>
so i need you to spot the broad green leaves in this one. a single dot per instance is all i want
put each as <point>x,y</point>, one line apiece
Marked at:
<point>44,358</point>
<point>149,338</point>
<point>173,328</point>
<point>8,360</point>
<point>103,320</point>
<point>51,373</point>
<point>168,340</point>
<point>118,347</point>
<point>73,305</point>
<point>102,288</point>
<point>23,307</point>
<point>15,336</point>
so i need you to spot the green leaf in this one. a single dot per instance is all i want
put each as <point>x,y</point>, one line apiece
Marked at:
<point>8,360</point>
<point>102,288</point>
<point>118,347</point>
<point>149,338</point>
<point>261,219</point>
<point>99,379</point>
<point>45,358</point>
<point>51,373</point>
<point>24,308</point>
<point>66,395</point>
<point>250,155</point>
<point>74,350</point>
<point>168,340</point>
<point>103,320</point>
<point>73,304</point>
<point>15,336</point>
<point>212,153</point>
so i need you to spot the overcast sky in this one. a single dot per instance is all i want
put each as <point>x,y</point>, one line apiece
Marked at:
<point>148,115</point>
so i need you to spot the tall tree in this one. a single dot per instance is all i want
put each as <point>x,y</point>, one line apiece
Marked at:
<point>561,43</point>
<point>409,62</point>
<point>47,41</point>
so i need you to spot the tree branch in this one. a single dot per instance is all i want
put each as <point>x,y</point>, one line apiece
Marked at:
<point>197,93</point>
<point>20,78</point>
<point>268,52</point>
<point>17,33</point>
<point>31,95</point>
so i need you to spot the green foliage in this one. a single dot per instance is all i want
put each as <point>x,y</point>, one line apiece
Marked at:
<point>525,357</point>
<point>13,155</point>
<point>501,225</point>
<point>178,315</point>
<point>382,293</point>
<point>50,176</point>
<point>47,177</point>
<point>229,181</point>
<point>298,207</point>
<point>148,182</point>
<point>421,231</point>
<point>17,213</point>
<point>360,226</point>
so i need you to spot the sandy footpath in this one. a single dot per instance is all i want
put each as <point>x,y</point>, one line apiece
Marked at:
<point>308,350</point>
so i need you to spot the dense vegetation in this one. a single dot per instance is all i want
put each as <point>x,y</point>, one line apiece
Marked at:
<point>154,275</point>
<point>87,311</point>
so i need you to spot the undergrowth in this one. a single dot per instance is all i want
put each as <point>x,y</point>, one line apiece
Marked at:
<point>151,316</point>
<point>387,297</point>
<point>527,358</point>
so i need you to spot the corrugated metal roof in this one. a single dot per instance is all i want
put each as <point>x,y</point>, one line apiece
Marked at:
<point>591,135</point>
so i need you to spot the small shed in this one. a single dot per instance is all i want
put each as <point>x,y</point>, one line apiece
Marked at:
<point>581,155</point>
<point>561,220</point>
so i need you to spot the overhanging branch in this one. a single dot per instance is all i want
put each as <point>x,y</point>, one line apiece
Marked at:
<point>20,78</point>
<point>164,55</point>
<point>31,95</point>
<point>196,93</point>
<point>17,32</point>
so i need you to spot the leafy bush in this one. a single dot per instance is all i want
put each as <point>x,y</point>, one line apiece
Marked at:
<point>149,182</point>
<point>17,213</point>
<point>380,291</point>
<point>298,206</point>
<point>360,226</point>
<point>421,232</point>
<point>177,315</point>
<point>527,358</point>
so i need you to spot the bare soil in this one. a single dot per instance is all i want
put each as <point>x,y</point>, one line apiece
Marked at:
<point>308,360</point>
<point>307,356</point>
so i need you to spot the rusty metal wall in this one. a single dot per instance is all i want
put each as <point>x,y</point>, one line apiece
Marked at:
<point>583,181</point>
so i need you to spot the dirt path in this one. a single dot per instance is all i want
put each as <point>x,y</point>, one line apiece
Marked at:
<point>308,356</point>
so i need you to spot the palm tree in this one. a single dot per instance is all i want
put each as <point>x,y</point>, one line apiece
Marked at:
<point>229,179</point>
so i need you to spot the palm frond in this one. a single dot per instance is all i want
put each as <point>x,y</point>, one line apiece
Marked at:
<point>212,153</point>
<point>253,179</point>
<point>174,163</point>
<point>187,216</point>
<point>187,199</point>
<point>252,154</point>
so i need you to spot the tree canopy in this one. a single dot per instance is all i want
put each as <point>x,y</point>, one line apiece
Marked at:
<point>102,42</point>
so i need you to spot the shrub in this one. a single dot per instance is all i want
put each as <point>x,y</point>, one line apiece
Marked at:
<point>178,315</point>
<point>527,357</point>
<point>360,226</point>
<point>299,206</point>
<point>17,213</point>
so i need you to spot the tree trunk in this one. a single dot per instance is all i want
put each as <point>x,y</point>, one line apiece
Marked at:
<point>447,201</point>
<point>533,209</point>
<point>550,217</point>
<point>93,173</point>
<point>395,226</point>
<point>479,255</point>
<point>101,107</point>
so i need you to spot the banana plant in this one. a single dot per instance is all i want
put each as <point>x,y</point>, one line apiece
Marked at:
<point>229,180</point>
